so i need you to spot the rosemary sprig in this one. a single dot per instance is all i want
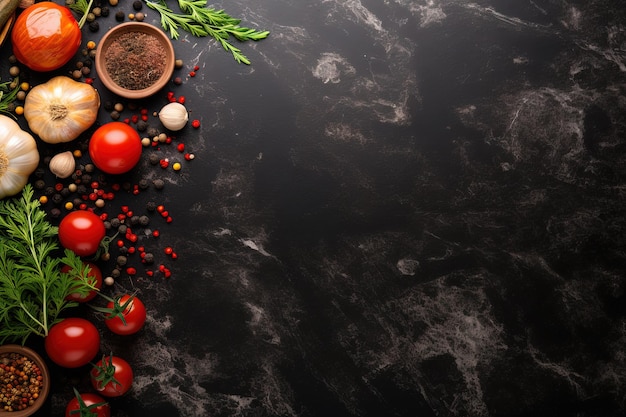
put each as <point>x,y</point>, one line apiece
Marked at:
<point>8,95</point>
<point>33,289</point>
<point>198,20</point>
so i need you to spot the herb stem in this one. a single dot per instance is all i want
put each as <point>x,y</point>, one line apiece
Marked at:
<point>198,20</point>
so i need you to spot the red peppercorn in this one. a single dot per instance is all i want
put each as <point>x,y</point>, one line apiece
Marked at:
<point>131,271</point>
<point>195,123</point>
<point>156,233</point>
<point>168,250</point>
<point>131,250</point>
<point>89,80</point>
<point>149,273</point>
<point>169,219</point>
<point>196,68</point>
<point>181,99</point>
<point>180,147</point>
<point>160,208</point>
<point>192,73</point>
<point>134,118</point>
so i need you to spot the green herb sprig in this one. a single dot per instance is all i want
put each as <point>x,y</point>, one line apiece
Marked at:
<point>201,21</point>
<point>33,289</point>
<point>8,93</point>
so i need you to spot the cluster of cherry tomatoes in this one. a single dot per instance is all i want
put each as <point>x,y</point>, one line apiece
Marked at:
<point>75,342</point>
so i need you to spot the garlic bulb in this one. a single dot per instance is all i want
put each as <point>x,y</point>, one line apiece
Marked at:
<point>63,164</point>
<point>60,109</point>
<point>18,157</point>
<point>174,116</point>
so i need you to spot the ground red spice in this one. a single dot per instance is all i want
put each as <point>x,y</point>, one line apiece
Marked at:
<point>135,60</point>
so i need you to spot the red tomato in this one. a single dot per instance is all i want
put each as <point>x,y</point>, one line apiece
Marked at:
<point>115,148</point>
<point>92,405</point>
<point>81,231</point>
<point>112,376</point>
<point>133,311</point>
<point>72,343</point>
<point>45,36</point>
<point>95,274</point>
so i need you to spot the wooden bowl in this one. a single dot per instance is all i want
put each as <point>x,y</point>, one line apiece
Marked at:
<point>146,80</point>
<point>45,389</point>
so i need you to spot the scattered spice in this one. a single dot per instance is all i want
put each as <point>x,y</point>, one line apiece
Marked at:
<point>135,60</point>
<point>20,382</point>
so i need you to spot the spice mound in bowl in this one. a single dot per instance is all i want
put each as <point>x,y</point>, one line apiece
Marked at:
<point>24,381</point>
<point>135,60</point>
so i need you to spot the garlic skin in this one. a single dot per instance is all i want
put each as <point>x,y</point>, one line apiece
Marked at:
<point>174,116</point>
<point>19,157</point>
<point>60,109</point>
<point>63,164</point>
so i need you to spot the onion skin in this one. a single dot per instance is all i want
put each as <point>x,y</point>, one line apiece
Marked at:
<point>45,36</point>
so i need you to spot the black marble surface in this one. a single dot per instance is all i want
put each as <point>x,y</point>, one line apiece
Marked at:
<point>401,208</point>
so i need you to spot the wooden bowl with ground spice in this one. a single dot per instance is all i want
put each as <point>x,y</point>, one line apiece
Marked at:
<point>135,60</point>
<point>24,381</point>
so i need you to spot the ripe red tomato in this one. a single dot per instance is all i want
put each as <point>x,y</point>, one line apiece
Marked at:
<point>115,147</point>
<point>112,376</point>
<point>92,405</point>
<point>82,231</point>
<point>72,343</point>
<point>45,36</point>
<point>95,274</point>
<point>132,309</point>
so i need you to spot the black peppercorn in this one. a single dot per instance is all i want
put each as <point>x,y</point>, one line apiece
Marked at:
<point>55,213</point>
<point>154,158</point>
<point>144,220</point>
<point>137,5</point>
<point>104,11</point>
<point>143,184</point>
<point>151,206</point>
<point>142,125</point>
<point>158,184</point>
<point>120,16</point>
<point>40,184</point>
<point>148,258</point>
<point>94,26</point>
<point>115,222</point>
<point>57,198</point>
<point>121,260</point>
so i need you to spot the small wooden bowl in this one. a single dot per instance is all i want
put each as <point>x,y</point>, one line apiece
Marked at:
<point>45,389</point>
<point>134,27</point>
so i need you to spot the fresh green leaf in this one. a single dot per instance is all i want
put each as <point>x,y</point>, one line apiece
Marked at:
<point>33,289</point>
<point>198,20</point>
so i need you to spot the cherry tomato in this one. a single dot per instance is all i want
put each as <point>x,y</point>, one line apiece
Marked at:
<point>132,309</point>
<point>45,36</point>
<point>72,343</point>
<point>95,274</point>
<point>112,376</point>
<point>92,405</point>
<point>82,231</point>
<point>115,147</point>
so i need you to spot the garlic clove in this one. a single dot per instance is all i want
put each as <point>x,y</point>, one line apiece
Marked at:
<point>174,116</point>
<point>63,164</point>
